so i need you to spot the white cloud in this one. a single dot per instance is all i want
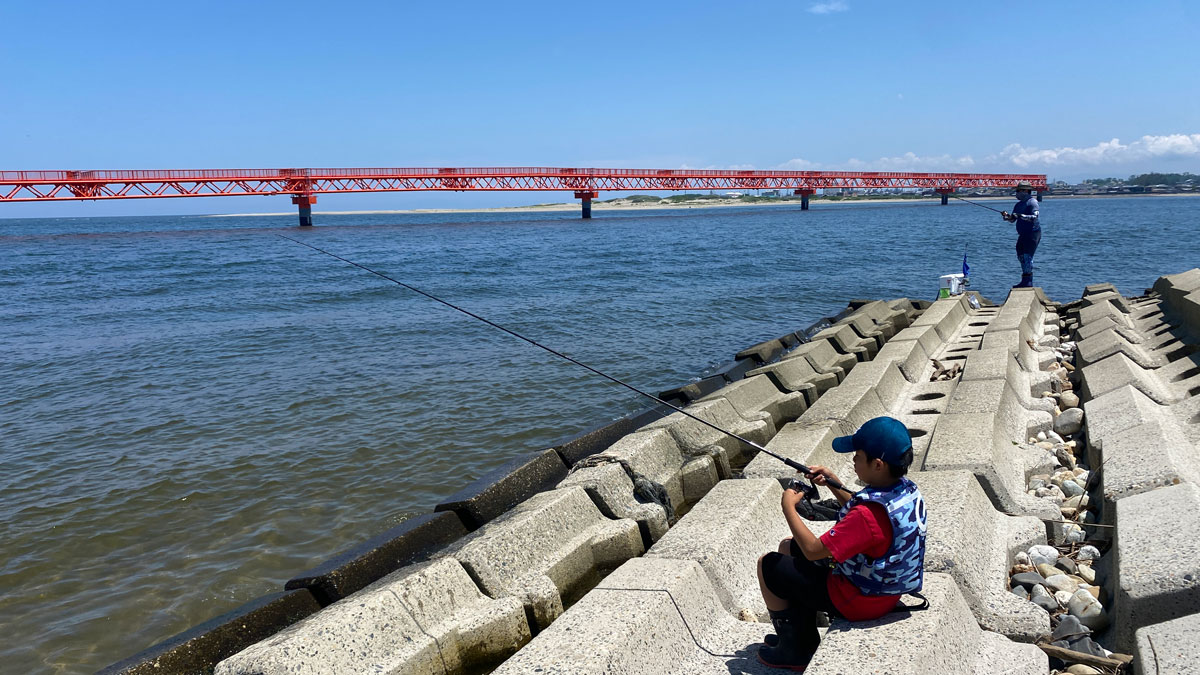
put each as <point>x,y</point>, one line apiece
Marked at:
<point>912,162</point>
<point>829,7</point>
<point>1171,146</point>
<point>798,165</point>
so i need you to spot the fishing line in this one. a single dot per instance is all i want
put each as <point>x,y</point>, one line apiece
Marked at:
<point>790,462</point>
<point>982,206</point>
<point>681,616</point>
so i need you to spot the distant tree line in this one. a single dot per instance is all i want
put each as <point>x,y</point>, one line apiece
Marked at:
<point>1146,179</point>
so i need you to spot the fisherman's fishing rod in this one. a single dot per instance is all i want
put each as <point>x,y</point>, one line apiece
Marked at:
<point>790,462</point>
<point>985,206</point>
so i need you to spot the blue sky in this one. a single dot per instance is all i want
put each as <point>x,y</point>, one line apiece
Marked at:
<point>1071,89</point>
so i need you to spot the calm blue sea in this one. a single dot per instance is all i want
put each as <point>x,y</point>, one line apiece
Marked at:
<point>193,409</point>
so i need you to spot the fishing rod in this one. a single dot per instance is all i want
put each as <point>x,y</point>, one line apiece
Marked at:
<point>985,206</point>
<point>790,462</point>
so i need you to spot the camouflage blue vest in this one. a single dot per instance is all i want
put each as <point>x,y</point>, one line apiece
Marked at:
<point>900,570</point>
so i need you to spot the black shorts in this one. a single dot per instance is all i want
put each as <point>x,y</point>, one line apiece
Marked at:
<point>800,581</point>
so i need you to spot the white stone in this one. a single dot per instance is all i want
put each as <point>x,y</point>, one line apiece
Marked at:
<point>1088,610</point>
<point>1041,435</point>
<point>1088,552</point>
<point>1045,551</point>
<point>1074,534</point>
<point>1062,597</point>
<point>1054,437</point>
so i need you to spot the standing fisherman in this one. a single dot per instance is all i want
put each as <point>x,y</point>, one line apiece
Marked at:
<point>1029,232</point>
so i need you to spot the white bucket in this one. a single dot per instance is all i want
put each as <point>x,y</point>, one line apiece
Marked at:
<point>951,284</point>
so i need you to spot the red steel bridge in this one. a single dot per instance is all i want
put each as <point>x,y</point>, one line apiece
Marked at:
<point>303,185</point>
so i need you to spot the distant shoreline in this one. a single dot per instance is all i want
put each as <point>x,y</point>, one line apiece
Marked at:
<point>625,205</point>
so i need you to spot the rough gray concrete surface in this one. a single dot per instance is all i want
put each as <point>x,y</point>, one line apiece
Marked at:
<point>798,375</point>
<point>652,616</point>
<point>1169,648</point>
<point>942,639</point>
<point>972,542</point>
<point>757,395</point>
<point>555,545</point>
<point>696,438</point>
<point>1157,565</point>
<point>654,454</point>
<point>726,533</point>
<point>426,618</point>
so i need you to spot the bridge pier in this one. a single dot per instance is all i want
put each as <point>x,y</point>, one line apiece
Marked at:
<point>804,193</point>
<point>1039,196</point>
<point>945,193</point>
<point>586,197</point>
<point>305,203</point>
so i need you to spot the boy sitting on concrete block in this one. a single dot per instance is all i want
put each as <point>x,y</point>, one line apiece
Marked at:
<point>859,568</point>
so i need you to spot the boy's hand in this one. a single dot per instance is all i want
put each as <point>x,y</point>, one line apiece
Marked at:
<point>822,475</point>
<point>791,497</point>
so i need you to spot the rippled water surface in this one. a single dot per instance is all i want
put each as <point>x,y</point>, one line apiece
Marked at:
<point>192,409</point>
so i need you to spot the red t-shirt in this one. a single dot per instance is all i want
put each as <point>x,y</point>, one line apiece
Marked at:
<point>865,529</point>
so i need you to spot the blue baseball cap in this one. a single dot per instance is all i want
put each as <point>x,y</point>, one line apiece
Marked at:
<point>883,438</point>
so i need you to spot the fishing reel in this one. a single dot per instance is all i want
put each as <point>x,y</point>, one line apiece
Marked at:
<point>807,489</point>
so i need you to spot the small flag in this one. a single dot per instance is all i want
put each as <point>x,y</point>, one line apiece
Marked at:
<point>966,267</point>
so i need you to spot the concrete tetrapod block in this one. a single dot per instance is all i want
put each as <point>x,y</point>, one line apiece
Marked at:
<point>1173,287</point>
<point>881,314</point>
<point>984,444</point>
<point>1117,371</point>
<point>882,376</point>
<point>762,352</point>
<point>847,341</point>
<point>599,439</point>
<point>1023,311</point>
<point>1169,647</point>
<point>696,438</point>
<point>807,442</point>
<point>726,533</point>
<point>1188,311</point>
<point>1106,343</point>
<point>822,356</point>
<point>945,315</point>
<point>797,375</point>
<point>505,486</point>
<point>427,618</point>
<point>999,364</point>
<point>867,328</point>
<point>652,616</point>
<point>1146,457</point>
<point>926,336</point>
<point>756,396</point>
<point>202,647</point>
<point>547,551</point>
<point>1120,409</point>
<point>850,405</point>
<point>943,639</point>
<point>1104,323</point>
<point>909,356</point>
<point>972,542</point>
<point>653,454</point>
<point>352,570</point>
<point>1157,564</point>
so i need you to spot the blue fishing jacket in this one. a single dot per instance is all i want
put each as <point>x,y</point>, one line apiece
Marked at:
<point>1026,212</point>
<point>901,569</point>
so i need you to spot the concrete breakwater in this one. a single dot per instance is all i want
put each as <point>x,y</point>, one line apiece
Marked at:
<point>563,565</point>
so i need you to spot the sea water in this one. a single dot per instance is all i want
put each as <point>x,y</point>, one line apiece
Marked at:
<point>193,410</point>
